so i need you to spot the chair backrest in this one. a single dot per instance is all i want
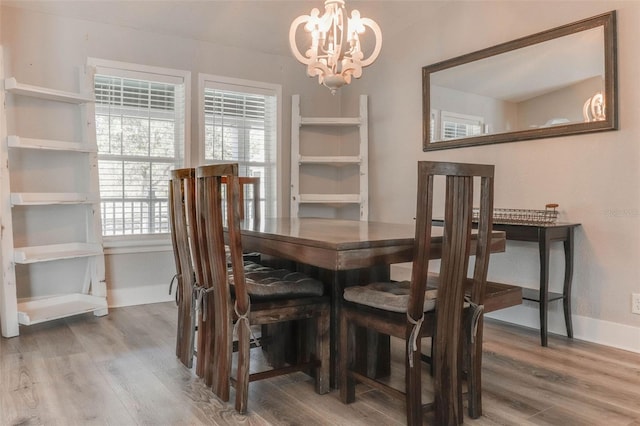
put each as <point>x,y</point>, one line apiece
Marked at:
<point>179,184</point>
<point>457,244</point>
<point>182,200</point>
<point>458,238</point>
<point>209,208</point>
<point>182,215</point>
<point>249,185</point>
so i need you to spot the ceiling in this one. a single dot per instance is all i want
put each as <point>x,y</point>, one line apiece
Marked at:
<point>253,24</point>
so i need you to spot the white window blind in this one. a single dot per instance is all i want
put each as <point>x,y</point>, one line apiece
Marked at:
<point>140,134</point>
<point>240,125</point>
<point>454,125</point>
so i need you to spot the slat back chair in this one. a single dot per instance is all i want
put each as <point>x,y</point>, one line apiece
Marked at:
<point>182,214</point>
<point>202,306</point>
<point>410,311</point>
<point>190,293</point>
<point>204,312</point>
<point>285,296</point>
<point>249,184</point>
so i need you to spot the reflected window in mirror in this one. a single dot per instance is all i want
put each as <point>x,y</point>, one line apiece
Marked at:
<point>455,125</point>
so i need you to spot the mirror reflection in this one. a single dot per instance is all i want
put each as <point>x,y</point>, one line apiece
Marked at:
<point>553,83</point>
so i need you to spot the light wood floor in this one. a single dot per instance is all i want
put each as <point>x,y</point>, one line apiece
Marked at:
<point>121,370</point>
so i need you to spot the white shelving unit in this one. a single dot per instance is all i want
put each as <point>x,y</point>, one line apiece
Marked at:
<point>300,124</point>
<point>90,295</point>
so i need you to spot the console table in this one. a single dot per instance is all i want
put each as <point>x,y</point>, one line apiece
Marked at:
<point>544,235</point>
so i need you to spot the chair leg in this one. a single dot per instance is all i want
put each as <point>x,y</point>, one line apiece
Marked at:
<point>242,375</point>
<point>347,384</point>
<point>220,360</point>
<point>413,384</point>
<point>474,373</point>
<point>201,348</point>
<point>210,354</point>
<point>433,353</point>
<point>447,379</point>
<point>323,353</point>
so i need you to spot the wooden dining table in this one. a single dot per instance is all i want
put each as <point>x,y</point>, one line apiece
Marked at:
<point>341,253</point>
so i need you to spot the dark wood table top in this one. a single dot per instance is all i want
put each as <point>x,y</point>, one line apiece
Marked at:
<point>340,244</point>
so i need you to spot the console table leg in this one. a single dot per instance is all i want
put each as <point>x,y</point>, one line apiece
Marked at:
<point>544,246</point>
<point>568,276</point>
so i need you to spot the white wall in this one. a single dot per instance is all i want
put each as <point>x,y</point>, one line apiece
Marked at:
<point>565,103</point>
<point>499,115</point>
<point>48,50</point>
<point>593,177</point>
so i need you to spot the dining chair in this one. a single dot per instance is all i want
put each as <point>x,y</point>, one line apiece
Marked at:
<point>249,195</point>
<point>191,293</point>
<point>181,192</point>
<point>411,311</point>
<point>188,293</point>
<point>243,298</point>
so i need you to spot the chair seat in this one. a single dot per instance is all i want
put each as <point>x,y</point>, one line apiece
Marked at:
<point>390,296</point>
<point>266,283</point>
<point>248,257</point>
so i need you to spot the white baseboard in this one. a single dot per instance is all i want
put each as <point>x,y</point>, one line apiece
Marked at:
<point>602,332</point>
<point>584,328</point>
<point>606,333</point>
<point>139,295</point>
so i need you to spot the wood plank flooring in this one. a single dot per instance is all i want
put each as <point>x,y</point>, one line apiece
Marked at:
<point>122,370</point>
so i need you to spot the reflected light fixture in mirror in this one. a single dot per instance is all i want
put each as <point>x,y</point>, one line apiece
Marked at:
<point>594,108</point>
<point>334,55</point>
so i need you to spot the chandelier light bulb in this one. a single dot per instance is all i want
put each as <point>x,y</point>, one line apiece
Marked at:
<point>334,54</point>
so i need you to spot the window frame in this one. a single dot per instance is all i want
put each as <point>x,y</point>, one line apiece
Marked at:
<point>120,244</point>
<point>257,87</point>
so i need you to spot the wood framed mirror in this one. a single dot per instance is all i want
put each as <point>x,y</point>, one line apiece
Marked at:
<point>557,82</point>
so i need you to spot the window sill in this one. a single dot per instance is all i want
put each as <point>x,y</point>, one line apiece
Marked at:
<point>137,244</point>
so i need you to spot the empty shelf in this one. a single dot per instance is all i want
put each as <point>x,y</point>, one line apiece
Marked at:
<point>330,121</point>
<point>330,160</point>
<point>12,86</point>
<point>329,198</point>
<point>47,253</point>
<point>50,198</point>
<point>35,311</point>
<point>533,295</point>
<point>48,144</point>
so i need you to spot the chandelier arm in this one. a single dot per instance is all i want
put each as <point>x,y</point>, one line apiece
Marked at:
<point>351,70</point>
<point>292,38</point>
<point>319,69</point>
<point>378,35</point>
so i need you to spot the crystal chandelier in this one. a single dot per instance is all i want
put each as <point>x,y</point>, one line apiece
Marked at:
<point>335,54</point>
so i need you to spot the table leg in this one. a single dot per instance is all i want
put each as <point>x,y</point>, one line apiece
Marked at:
<point>568,276</point>
<point>544,246</point>
<point>376,361</point>
<point>337,288</point>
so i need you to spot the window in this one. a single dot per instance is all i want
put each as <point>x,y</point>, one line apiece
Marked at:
<point>240,125</point>
<point>454,125</point>
<point>140,132</point>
